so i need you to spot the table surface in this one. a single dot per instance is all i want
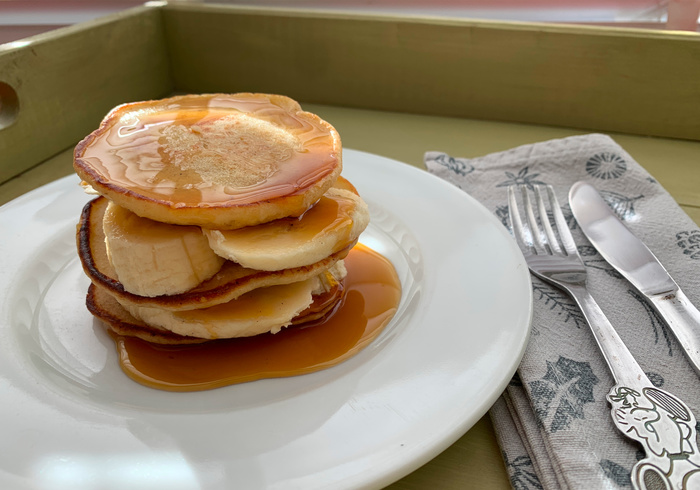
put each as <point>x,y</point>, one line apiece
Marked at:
<point>474,461</point>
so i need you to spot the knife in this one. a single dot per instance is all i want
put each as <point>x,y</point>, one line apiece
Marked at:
<point>631,258</point>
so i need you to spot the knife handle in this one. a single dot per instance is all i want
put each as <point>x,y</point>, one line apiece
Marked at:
<point>684,320</point>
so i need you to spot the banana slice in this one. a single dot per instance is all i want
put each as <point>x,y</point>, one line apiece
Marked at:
<point>259,311</point>
<point>330,225</point>
<point>152,258</point>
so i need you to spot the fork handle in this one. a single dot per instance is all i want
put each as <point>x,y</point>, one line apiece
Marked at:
<point>624,367</point>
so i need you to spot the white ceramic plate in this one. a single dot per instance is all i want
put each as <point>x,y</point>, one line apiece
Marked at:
<point>70,419</point>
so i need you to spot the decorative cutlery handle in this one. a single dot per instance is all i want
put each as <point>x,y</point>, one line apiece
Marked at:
<point>684,320</point>
<point>661,422</point>
<point>665,426</point>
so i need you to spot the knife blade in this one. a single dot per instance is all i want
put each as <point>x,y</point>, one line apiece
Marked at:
<point>631,258</point>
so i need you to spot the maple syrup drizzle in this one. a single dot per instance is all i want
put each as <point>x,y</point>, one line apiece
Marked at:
<point>373,291</point>
<point>149,149</point>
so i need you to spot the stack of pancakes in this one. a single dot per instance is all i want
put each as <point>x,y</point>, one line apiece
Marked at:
<point>218,216</point>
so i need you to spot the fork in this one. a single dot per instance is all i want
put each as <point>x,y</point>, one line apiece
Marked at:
<point>662,423</point>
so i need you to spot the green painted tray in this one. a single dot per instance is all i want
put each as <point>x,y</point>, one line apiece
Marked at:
<point>394,86</point>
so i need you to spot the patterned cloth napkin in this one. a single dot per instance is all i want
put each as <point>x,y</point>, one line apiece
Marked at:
<point>553,422</point>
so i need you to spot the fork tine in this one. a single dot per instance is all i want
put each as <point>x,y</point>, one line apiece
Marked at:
<point>544,217</point>
<point>538,243</point>
<point>562,226</point>
<point>516,223</point>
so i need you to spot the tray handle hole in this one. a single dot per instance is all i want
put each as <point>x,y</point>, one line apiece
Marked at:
<point>9,105</point>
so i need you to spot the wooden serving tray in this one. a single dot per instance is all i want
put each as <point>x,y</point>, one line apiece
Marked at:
<point>392,85</point>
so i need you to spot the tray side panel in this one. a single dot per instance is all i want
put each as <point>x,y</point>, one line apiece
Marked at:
<point>605,79</point>
<point>67,80</point>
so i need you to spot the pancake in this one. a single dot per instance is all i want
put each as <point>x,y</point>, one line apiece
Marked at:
<point>216,161</point>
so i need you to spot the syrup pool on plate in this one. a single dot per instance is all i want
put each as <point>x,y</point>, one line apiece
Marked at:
<point>372,295</point>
